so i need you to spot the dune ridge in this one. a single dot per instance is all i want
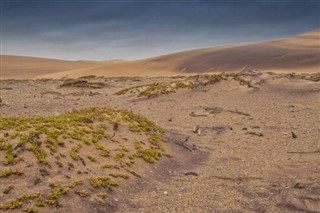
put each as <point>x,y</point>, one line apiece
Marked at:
<point>295,54</point>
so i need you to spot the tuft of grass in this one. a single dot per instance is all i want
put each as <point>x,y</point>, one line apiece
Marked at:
<point>82,193</point>
<point>102,195</point>
<point>121,175</point>
<point>10,172</point>
<point>74,152</point>
<point>103,181</point>
<point>75,183</point>
<point>30,209</point>
<point>91,158</point>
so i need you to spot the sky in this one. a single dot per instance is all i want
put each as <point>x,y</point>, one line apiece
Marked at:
<point>132,29</point>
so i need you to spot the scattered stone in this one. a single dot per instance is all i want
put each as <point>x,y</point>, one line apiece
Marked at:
<point>6,88</point>
<point>165,193</point>
<point>238,112</point>
<point>2,103</point>
<point>220,129</point>
<point>8,189</point>
<point>115,126</point>
<point>259,134</point>
<point>59,164</point>
<point>51,93</point>
<point>82,161</point>
<point>191,174</point>
<point>294,135</point>
<point>193,114</point>
<point>67,176</point>
<point>94,93</point>
<point>213,110</point>
<point>199,132</point>
<point>299,186</point>
<point>180,140</point>
<point>170,119</point>
<point>195,128</point>
<point>70,166</point>
<point>44,172</point>
<point>255,127</point>
<point>37,181</point>
<point>133,173</point>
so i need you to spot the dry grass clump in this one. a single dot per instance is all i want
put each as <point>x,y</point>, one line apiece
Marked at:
<point>83,83</point>
<point>155,89</point>
<point>189,82</point>
<point>306,76</point>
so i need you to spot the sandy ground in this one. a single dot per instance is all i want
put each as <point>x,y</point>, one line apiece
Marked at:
<point>258,150</point>
<point>22,67</point>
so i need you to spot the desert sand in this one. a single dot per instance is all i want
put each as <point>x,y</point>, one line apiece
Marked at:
<point>245,142</point>
<point>223,129</point>
<point>297,54</point>
<point>21,67</point>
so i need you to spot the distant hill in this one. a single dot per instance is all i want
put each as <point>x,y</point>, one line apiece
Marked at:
<point>296,54</point>
<point>20,67</point>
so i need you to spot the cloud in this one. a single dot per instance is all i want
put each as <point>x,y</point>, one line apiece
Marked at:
<point>137,29</point>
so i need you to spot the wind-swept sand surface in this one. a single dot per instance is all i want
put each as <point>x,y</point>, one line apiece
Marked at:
<point>22,67</point>
<point>246,142</point>
<point>297,54</point>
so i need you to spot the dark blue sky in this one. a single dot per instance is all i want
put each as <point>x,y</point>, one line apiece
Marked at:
<point>137,29</point>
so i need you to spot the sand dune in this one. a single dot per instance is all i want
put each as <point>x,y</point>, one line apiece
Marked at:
<point>20,67</point>
<point>297,54</point>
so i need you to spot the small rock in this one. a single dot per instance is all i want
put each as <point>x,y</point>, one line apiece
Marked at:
<point>259,134</point>
<point>82,161</point>
<point>165,193</point>
<point>115,126</point>
<point>192,114</point>
<point>199,132</point>
<point>44,172</point>
<point>294,135</point>
<point>196,128</point>
<point>191,174</point>
<point>299,186</point>
<point>2,103</point>
<point>8,189</point>
<point>37,181</point>
<point>170,119</point>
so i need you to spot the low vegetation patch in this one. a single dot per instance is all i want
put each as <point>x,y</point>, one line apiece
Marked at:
<point>155,89</point>
<point>189,82</point>
<point>83,83</point>
<point>82,148</point>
